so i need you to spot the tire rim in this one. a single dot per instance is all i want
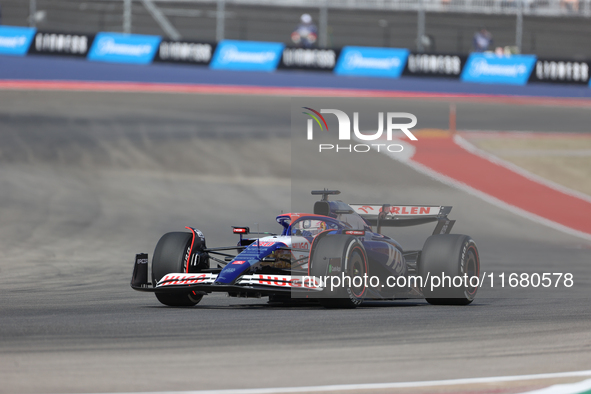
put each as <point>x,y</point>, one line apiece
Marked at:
<point>194,297</point>
<point>472,269</point>
<point>357,269</point>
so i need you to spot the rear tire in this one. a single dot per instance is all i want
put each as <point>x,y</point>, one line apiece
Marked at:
<point>170,256</point>
<point>452,255</point>
<point>333,255</point>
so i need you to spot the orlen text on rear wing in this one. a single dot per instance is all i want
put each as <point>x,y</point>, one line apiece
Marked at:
<point>386,215</point>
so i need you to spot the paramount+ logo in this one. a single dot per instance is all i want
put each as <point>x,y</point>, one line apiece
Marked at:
<point>396,123</point>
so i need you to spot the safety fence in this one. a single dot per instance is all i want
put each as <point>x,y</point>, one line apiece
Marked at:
<point>270,56</point>
<point>547,27</point>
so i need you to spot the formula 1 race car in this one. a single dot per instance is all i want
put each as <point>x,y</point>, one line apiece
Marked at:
<point>332,257</point>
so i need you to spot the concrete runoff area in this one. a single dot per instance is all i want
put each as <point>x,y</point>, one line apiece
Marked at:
<point>90,179</point>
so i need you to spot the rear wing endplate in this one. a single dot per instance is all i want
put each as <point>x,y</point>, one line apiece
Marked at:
<point>386,215</point>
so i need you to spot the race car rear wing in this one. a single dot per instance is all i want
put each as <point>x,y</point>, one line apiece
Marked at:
<point>386,215</point>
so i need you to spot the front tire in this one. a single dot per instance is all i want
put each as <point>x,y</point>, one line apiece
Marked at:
<point>449,255</point>
<point>170,256</point>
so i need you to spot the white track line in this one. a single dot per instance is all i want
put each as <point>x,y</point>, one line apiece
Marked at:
<point>378,386</point>
<point>543,152</point>
<point>405,157</point>
<point>462,142</point>
<point>570,388</point>
<point>495,201</point>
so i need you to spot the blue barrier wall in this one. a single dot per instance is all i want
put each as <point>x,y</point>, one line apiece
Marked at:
<point>372,62</point>
<point>247,56</point>
<point>124,48</point>
<point>360,62</point>
<point>15,40</point>
<point>490,68</point>
<point>54,68</point>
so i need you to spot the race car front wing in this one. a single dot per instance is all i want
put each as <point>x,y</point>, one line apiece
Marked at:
<point>206,282</point>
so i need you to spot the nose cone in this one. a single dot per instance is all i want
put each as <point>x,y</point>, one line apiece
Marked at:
<point>249,257</point>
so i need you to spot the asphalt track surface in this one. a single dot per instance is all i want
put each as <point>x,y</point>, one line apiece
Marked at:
<point>89,179</point>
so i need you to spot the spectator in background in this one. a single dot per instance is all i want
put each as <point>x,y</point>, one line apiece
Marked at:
<point>570,5</point>
<point>306,34</point>
<point>482,40</point>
